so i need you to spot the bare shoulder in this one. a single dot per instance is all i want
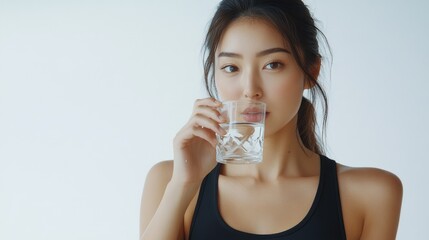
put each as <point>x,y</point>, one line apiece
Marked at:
<point>161,172</point>
<point>370,196</point>
<point>156,181</point>
<point>373,181</point>
<point>155,184</point>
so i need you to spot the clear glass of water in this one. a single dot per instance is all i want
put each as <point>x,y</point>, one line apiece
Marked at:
<point>244,125</point>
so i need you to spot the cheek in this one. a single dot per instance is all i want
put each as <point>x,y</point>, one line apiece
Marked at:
<point>290,89</point>
<point>228,90</point>
<point>287,97</point>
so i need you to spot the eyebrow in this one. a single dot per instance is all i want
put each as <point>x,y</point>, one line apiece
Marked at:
<point>259,54</point>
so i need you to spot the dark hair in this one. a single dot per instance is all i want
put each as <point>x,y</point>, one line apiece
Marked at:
<point>294,21</point>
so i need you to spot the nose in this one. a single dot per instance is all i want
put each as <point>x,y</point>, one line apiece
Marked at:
<point>252,95</point>
<point>252,89</point>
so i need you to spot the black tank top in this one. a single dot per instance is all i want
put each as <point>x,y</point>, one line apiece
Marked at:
<point>323,221</point>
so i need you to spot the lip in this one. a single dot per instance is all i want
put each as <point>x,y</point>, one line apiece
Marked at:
<point>253,114</point>
<point>251,110</point>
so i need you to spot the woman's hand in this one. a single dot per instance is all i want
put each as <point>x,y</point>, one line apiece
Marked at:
<point>195,143</point>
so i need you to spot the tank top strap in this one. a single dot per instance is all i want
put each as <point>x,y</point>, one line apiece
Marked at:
<point>206,203</point>
<point>331,200</point>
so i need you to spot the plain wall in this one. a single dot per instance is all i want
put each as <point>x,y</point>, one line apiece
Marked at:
<point>93,92</point>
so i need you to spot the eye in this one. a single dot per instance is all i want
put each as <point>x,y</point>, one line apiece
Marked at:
<point>229,69</point>
<point>273,65</point>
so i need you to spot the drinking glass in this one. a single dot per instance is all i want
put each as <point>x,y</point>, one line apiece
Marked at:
<point>243,142</point>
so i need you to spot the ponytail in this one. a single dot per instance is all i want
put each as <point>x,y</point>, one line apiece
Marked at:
<point>307,127</point>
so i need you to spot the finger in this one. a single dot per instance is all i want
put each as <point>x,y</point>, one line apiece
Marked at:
<point>209,112</point>
<point>210,102</point>
<point>205,134</point>
<point>200,120</point>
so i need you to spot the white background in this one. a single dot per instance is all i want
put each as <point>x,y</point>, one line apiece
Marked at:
<point>92,94</point>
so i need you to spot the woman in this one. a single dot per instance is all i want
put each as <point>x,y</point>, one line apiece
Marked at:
<point>265,51</point>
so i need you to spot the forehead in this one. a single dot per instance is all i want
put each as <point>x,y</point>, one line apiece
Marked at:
<point>250,35</point>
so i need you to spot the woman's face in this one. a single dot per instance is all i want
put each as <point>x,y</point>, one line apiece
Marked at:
<point>254,62</point>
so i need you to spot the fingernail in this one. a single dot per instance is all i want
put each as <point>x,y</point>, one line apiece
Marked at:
<point>221,118</point>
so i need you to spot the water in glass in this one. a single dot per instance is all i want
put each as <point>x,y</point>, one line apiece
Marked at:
<point>242,143</point>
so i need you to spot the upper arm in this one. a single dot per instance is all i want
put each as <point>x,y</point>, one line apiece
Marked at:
<point>156,182</point>
<point>381,196</point>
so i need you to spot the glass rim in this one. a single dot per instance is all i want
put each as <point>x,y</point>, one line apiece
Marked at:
<point>228,102</point>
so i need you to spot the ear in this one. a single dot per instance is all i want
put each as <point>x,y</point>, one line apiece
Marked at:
<point>314,71</point>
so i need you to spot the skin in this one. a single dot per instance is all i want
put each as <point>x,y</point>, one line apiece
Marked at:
<point>371,198</point>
